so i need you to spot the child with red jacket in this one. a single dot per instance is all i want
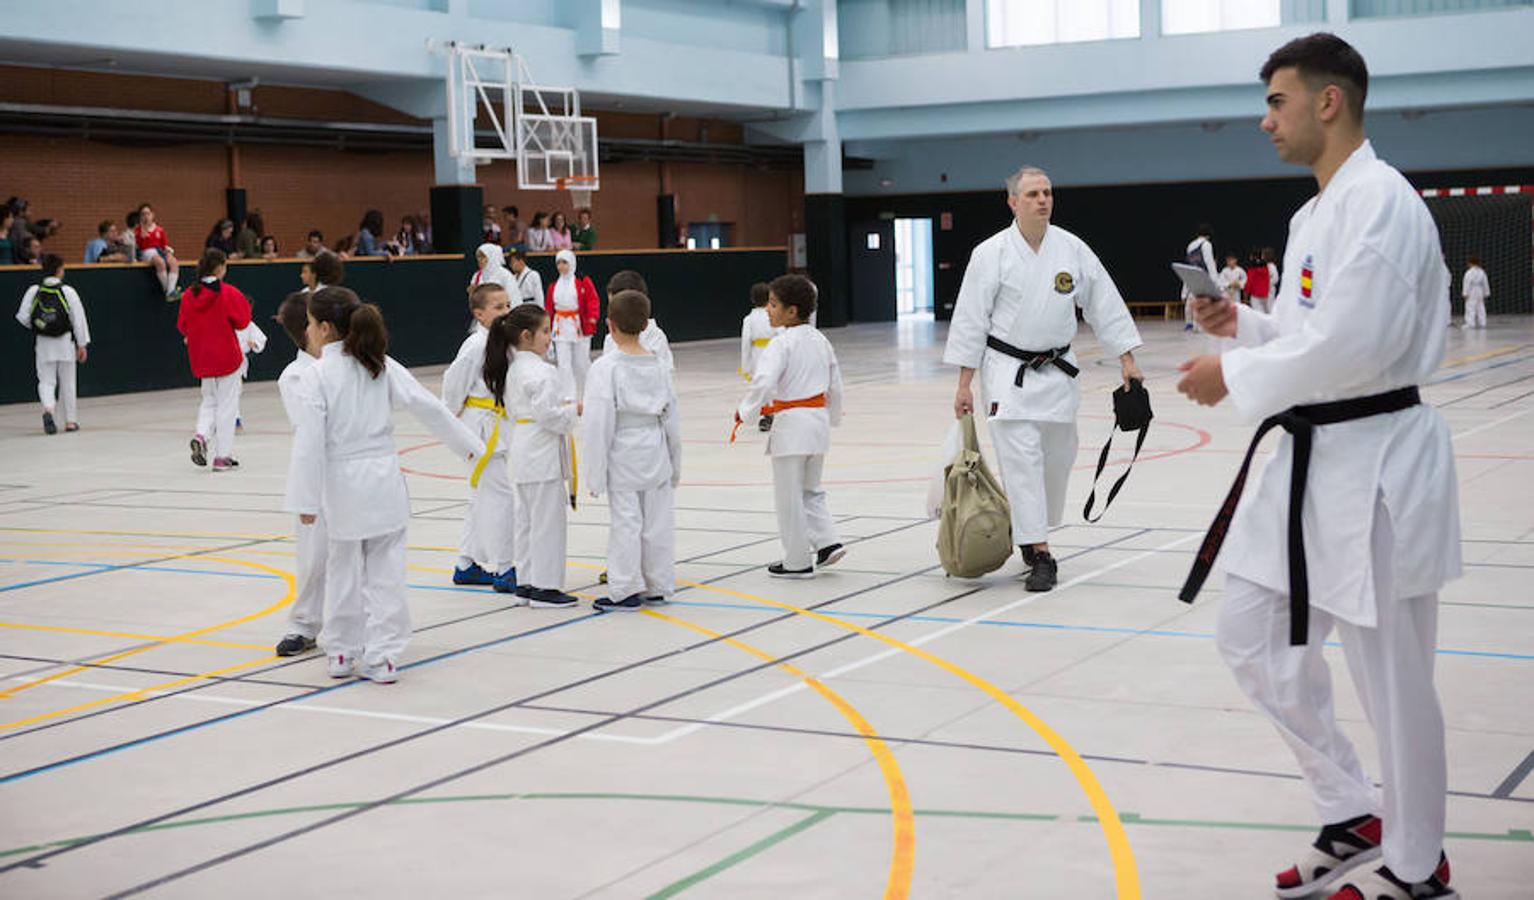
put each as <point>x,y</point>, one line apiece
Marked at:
<point>574,307</point>
<point>211,312</point>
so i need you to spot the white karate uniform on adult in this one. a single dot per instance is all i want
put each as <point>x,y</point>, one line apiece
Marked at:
<point>1023,287</point>
<point>345,463</point>
<point>311,540</point>
<point>1364,316</point>
<point>652,339</point>
<point>633,453</point>
<point>1200,252</point>
<point>542,418</point>
<point>489,522</point>
<point>1475,288</point>
<point>799,364</point>
<point>56,355</point>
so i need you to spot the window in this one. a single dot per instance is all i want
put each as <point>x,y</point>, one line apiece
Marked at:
<point>1194,16</point>
<point>1015,23</point>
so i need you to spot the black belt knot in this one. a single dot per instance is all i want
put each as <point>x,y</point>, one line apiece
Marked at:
<point>1033,360</point>
<point>1301,422</point>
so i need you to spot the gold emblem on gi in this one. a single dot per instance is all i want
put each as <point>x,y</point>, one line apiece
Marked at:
<point>1064,283</point>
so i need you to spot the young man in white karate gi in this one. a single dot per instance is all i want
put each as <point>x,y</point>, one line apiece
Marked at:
<point>1377,532</point>
<point>1475,287</point>
<point>1014,322</point>
<point>1200,252</point>
<point>529,284</point>
<point>633,453</point>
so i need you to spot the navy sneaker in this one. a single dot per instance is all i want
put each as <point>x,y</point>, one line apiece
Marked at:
<point>1045,574</point>
<point>829,556</point>
<point>472,574</point>
<point>632,603</point>
<point>549,598</point>
<point>49,426</point>
<point>294,644</point>
<point>506,582</point>
<point>777,570</point>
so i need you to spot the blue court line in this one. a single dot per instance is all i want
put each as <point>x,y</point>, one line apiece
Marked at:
<point>1508,362</point>
<point>94,569</point>
<point>155,567</point>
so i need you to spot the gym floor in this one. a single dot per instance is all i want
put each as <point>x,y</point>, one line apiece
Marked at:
<point>881,729</point>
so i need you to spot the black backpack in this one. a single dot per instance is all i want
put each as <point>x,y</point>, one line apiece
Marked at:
<point>50,311</point>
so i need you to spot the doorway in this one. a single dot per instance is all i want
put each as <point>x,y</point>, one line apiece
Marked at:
<point>913,268</point>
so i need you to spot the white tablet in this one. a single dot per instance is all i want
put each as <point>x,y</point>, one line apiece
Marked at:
<point>1197,281</point>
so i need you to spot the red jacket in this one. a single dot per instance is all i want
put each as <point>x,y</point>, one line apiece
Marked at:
<point>590,304</point>
<point>208,320</point>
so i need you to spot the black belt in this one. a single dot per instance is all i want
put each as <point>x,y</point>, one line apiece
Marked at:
<point>1301,422</point>
<point>1033,359</point>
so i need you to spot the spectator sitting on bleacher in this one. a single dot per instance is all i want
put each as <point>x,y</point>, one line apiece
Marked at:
<point>248,241</point>
<point>559,233</point>
<point>490,227</point>
<point>154,248</point>
<point>46,228</point>
<point>7,250</point>
<point>20,227</point>
<point>409,239</point>
<point>423,225</point>
<point>370,235</point>
<point>584,237</point>
<point>107,247</point>
<point>538,233</point>
<point>268,247</point>
<point>514,231</point>
<point>313,246</point>
<point>222,238</point>
<point>131,220</point>
<point>29,252</point>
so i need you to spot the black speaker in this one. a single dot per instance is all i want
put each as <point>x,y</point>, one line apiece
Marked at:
<point>457,212</point>
<point>665,220</point>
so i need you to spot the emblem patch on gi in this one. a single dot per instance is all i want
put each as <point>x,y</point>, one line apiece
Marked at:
<point>1064,283</point>
<point>1307,281</point>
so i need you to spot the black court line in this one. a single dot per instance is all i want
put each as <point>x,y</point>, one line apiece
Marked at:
<point>32,861</point>
<point>1484,390</point>
<point>139,670</point>
<point>1502,403</point>
<point>1515,778</point>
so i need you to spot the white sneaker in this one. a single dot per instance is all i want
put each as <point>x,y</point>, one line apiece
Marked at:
<point>380,673</point>
<point>342,666</point>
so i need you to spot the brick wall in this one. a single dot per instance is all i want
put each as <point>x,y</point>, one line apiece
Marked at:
<point>296,188</point>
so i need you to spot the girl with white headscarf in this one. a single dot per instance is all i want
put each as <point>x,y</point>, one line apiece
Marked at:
<point>573,305</point>
<point>492,269</point>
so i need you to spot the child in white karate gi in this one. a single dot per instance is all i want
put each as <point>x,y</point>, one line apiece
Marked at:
<point>486,552</point>
<point>633,444</point>
<point>798,381</point>
<point>346,466</point>
<point>756,332</point>
<point>542,416</point>
<point>311,542</point>
<point>53,312</point>
<point>652,338</point>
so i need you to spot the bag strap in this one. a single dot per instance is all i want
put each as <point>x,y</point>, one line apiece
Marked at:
<point>1102,460</point>
<point>971,441</point>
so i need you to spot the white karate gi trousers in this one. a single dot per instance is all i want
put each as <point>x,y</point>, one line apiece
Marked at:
<point>56,378</point>
<point>641,543</point>
<point>574,361</point>
<point>1035,459</point>
<point>540,533</point>
<point>307,613</point>
<point>1263,304</point>
<point>220,407</point>
<point>1475,313</point>
<point>489,523</point>
<point>804,520</point>
<point>1392,669</point>
<point>366,615</point>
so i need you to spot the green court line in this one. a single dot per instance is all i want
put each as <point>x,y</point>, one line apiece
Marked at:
<point>1517,835</point>
<point>741,855</point>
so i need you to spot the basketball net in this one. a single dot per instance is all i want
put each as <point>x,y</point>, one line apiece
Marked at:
<point>580,188</point>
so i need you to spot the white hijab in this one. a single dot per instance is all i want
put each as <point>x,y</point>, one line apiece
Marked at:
<point>565,296</point>
<point>495,271</point>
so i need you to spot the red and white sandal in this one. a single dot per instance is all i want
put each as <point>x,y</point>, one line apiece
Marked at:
<point>1338,849</point>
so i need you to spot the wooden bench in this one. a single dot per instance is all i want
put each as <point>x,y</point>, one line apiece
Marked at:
<point>1170,309</point>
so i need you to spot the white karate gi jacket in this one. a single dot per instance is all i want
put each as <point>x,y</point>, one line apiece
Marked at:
<point>465,378</point>
<point>631,428</point>
<point>652,339</point>
<point>529,286</point>
<point>799,363</point>
<point>1475,285</point>
<point>58,348</point>
<point>344,460</point>
<point>291,386</point>
<point>754,327</point>
<point>495,271</point>
<point>539,446</point>
<point>1232,280</point>
<point>1029,300</point>
<point>1364,315</point>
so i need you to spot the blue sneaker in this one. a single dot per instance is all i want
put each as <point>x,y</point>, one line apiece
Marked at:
<point>506,582</point>
<point>472,575</point>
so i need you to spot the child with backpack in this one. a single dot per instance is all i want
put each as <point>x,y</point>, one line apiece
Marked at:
<point>211,313</point>
<point>54,313</point>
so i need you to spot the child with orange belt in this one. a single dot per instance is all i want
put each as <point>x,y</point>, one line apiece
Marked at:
<point>798,381</point>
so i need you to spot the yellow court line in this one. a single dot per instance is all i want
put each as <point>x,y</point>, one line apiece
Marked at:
<point>168,639</point>
<point>1125,872</point>
<point>1490,354</point>
<point>287,598</point>
<point>903,853</point>
<point>139,694</point>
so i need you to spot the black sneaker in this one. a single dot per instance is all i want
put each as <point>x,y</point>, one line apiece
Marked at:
<point>294,644</point>
<point>764,423</point>
<point>199,450</point>
<point>1030,555</point>
<point>776,570</point>
<point>1382,884</point>
<point>829,556</point>
<point>49,426</point>
<point>1339,849</point>
<point>1045,573</point>
<point>632,603</point>
<point>549,598</point>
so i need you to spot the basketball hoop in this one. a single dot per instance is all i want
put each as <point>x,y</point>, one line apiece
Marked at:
<point>580,188</point>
